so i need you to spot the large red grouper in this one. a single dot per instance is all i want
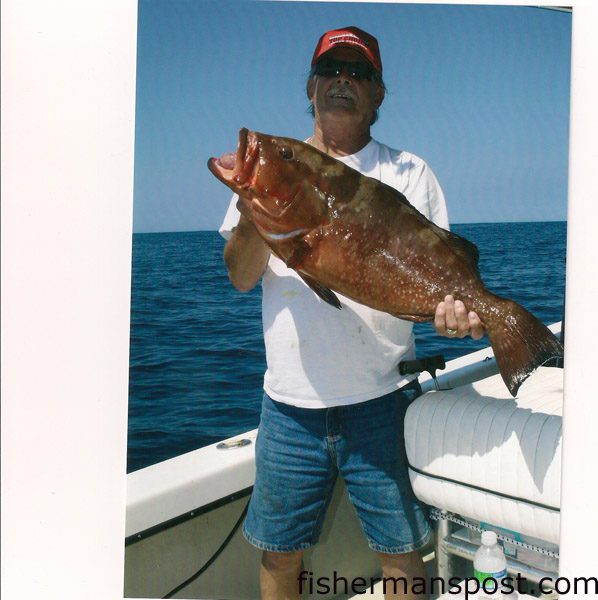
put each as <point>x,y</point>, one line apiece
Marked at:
<point>346,232</point>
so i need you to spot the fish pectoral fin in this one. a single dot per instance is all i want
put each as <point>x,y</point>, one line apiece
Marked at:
<point>322,291</point>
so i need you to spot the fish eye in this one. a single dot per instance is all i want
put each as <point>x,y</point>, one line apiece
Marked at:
<point>286,152</point>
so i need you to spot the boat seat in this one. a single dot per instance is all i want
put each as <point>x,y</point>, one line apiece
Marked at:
<point>476,451</point>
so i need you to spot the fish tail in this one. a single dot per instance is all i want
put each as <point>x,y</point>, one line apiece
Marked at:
<point>521,343</point>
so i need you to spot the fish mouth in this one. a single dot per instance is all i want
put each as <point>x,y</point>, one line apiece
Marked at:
<point>236,169</point>
<point>239,170</point>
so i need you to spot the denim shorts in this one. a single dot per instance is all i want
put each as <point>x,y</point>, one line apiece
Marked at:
<point>300,452</point>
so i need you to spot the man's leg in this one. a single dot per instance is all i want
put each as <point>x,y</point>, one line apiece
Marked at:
<point>373,461</point>
<point>400,571</point>
<point>295,477</point>
<point>279,575</point>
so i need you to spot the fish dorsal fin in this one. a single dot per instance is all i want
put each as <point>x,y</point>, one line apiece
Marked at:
<point>465,249</point>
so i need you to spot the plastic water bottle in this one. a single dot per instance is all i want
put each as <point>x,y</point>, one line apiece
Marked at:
<point>490,566</point>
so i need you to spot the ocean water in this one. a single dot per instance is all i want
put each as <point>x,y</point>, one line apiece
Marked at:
<point>197,356</point>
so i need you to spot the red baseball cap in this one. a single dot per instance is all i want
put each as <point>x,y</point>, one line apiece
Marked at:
<point>350,37</point>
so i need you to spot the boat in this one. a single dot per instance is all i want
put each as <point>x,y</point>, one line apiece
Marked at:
<point>183,515</point>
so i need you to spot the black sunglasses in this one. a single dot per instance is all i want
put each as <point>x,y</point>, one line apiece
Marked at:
<point>329,67</point>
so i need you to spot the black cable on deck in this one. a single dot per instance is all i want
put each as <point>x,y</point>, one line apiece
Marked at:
<point>193,577</point>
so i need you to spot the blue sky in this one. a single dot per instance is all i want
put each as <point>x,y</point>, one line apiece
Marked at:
<point>480,92</point>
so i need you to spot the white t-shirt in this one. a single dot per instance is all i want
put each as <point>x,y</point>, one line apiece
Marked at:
<point>319,356</point>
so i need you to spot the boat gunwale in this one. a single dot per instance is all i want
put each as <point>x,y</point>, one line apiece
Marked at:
<point>197,512</point>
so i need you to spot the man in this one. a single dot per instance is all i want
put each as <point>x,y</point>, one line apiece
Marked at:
<point>334,400</point>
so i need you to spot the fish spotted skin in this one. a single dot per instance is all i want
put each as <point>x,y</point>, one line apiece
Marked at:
<point>347,233</point>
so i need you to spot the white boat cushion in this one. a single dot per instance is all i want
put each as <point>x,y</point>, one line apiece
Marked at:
<point>478,452</point>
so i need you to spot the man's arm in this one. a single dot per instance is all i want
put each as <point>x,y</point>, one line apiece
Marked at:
<point>245,255</point>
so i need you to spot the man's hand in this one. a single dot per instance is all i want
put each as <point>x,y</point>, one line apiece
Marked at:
<point>453,320</point>
<point>245,254</point>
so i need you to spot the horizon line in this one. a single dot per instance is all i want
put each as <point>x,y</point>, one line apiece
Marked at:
<point>456,223</point>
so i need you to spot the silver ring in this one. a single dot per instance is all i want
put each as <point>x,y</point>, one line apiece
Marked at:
<point>451,331</point>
